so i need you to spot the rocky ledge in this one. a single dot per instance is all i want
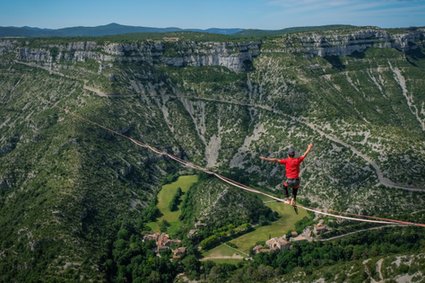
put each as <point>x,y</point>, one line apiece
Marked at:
<point>235,56</point>
<point>342,43</point>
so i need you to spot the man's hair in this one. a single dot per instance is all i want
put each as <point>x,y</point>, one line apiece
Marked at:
<point>291,152</point>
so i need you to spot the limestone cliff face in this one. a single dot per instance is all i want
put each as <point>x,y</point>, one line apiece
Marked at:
<point>345,43</point>
<point>7,45</point>
<point>235,56</point>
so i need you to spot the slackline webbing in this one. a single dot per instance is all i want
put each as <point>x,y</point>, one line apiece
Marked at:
<point>347,216</point>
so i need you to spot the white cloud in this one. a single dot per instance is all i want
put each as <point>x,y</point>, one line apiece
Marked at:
<point>384,13</point>
<point>323,4</point>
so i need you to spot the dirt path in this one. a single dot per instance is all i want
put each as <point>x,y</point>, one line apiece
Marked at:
<point>355,232</point>
<point>239,251</point>
<point>234,256</point>
<point>101,93</point>
<point>46,69</point>
<point>382,179</point>
<point>92,89</point>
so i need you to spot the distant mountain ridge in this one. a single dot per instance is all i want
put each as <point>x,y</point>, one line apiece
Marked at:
<point>117,29</point>
<point>103,30</point>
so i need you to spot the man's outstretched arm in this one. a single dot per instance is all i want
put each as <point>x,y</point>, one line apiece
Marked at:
<point>309,147</point>
<point>269,159</point>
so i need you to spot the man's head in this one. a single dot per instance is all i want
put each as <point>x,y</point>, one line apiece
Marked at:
<point>291,152</point>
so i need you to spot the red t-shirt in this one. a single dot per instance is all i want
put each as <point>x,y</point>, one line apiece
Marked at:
<point>292,166</point>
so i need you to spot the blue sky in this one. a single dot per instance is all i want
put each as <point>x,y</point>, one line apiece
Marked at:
<point>262,14</point>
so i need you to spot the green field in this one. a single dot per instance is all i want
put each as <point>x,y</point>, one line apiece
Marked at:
<point>164,198</point>
<point>286,223</point>
<point>223,250</point>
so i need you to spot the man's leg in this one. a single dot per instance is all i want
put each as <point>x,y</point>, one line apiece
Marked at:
<point>294,196</point>
<point>285,186</point>
<point>295,184</point>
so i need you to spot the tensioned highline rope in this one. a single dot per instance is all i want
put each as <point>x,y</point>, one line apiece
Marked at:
<point>353,217</point>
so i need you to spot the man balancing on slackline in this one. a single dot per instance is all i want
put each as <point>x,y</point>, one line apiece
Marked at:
<point>292,168</point>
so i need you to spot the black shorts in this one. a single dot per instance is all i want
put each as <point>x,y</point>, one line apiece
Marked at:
<point>292,183</point>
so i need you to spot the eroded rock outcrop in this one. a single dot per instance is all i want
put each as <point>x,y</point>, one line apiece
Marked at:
<point>235,56</point>
<point>342,43</point>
